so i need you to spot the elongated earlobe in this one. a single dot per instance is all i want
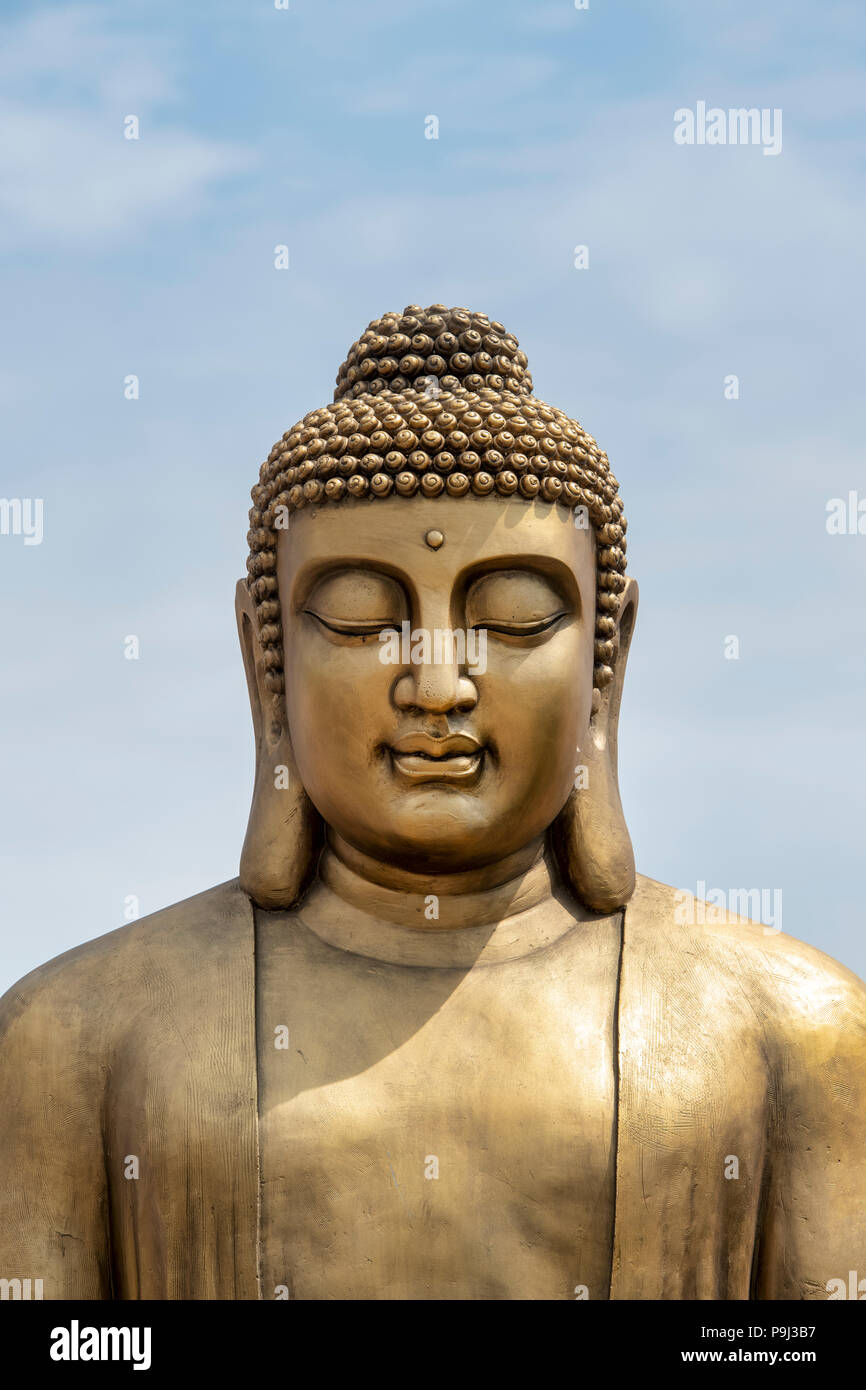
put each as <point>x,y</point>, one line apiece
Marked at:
<point>284,831</point>
<point>590,837</point>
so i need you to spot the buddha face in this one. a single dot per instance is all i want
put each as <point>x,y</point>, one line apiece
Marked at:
<point>441,753</point>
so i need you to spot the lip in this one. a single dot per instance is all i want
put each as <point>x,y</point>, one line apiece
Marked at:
<point>427,745</point>
<point>422,758</point>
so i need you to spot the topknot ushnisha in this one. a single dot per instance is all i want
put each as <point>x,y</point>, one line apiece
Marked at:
<point>435,402</point>
<point>457,347</point>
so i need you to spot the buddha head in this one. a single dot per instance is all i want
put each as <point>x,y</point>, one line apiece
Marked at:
<point>435,624</point>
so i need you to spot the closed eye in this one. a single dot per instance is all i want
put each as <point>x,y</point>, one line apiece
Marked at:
<point>366,627</point>
<point>521,629</point>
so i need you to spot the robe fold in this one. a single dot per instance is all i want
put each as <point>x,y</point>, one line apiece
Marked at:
<point>129,1163</point>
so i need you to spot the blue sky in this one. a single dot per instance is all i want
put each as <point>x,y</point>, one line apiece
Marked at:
<point>306,127</point>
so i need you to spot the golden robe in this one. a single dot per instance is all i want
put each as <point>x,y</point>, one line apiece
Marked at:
<point>129,1162</point>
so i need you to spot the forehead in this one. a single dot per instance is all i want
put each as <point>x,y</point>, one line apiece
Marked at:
<point>389,534</point>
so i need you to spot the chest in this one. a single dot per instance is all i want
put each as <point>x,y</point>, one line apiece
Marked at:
<point>436,1133</point>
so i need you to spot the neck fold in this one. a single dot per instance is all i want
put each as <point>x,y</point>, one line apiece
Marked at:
<point>502,922</point>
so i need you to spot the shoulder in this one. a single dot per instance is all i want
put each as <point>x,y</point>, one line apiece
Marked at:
<point>89,983</point>
<point>799,987</point>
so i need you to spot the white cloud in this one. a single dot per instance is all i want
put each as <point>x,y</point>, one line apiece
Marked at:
<point>67,172</point>
<point>56,53</point>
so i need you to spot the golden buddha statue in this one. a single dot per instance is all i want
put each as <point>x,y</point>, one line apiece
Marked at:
<point>437,1041</point>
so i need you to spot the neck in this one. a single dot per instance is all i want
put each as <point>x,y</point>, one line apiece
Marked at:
<point>480,916</point>
<point>469,897</point>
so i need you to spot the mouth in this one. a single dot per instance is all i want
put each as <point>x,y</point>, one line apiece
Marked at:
<point>421,758</point>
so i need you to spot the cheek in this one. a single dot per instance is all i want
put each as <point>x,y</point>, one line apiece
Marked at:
<point>335,698</point>
<point>538,704</point>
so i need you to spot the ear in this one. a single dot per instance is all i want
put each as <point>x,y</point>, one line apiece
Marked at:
<point>284,832</point>
<point>247,632</point>
<point>607,715</point>
<point>590,836</point>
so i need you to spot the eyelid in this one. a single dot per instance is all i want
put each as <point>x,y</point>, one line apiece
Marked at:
<point>353,627</point>
<point>521,629</point>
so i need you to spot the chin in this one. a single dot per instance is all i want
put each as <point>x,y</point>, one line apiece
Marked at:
<point>446,858</point>
<point>449,832</point>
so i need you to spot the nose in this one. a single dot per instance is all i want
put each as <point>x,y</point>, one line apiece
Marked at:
<point>435,687</point>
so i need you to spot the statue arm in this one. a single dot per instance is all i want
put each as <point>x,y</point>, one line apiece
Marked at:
<point>814,1227</point>
<point>53,1209</point>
